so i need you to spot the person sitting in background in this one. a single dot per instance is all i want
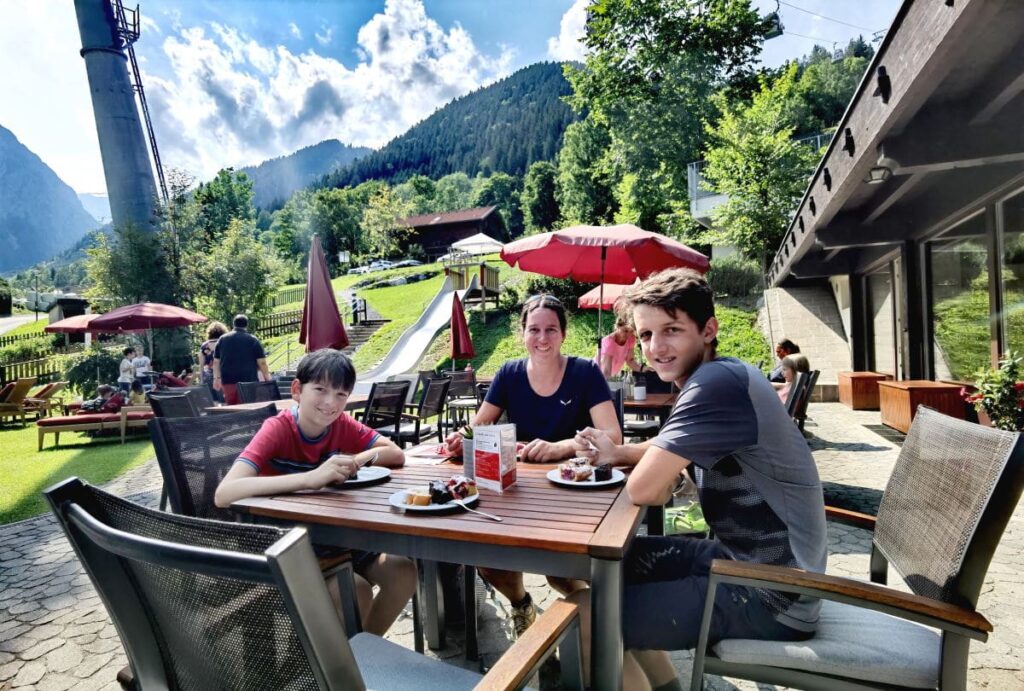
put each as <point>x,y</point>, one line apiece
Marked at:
<point>782,349</point>
<point>136,395</point>
<point>93,405</point>
<point>791,364</point>
<point>617,349</point>
<point>126,371</point>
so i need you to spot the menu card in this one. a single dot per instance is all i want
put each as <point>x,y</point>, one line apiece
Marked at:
<point>494,456</point>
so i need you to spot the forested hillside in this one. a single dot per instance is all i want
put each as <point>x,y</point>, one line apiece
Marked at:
<point>275,180</point>
<point>501,128</point>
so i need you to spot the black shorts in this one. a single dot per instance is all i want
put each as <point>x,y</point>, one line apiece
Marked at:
<point>666,583</point>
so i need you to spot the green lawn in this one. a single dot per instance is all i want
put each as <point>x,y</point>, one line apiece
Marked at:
<point>25,472</point>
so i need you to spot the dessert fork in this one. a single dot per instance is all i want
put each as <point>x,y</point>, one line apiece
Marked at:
<point>485,515</point>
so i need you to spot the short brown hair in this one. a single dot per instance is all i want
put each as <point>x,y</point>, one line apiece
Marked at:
<point>797,362</point>
<point>215,330</point>
<point>673,290</point>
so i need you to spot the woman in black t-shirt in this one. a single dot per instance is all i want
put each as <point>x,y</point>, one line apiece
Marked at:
<point>548,396</point>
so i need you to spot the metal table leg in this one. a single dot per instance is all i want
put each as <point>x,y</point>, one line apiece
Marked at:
<point>606,624</point>
<point>469,605</point>
<point>431,603</point>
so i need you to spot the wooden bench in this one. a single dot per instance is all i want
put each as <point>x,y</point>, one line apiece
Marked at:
<point>128,417</point>
<point>898,400</point>
<point>859,390</point>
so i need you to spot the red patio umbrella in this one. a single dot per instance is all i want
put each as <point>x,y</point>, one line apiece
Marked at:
<point>602,254</point>
<point>321,323</point>
<point>80,324</point>
<point>602,297</point>
<point>148,316</point>
<point>462,341</point>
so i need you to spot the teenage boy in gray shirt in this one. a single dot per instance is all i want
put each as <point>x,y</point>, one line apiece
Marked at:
<point>758,486</point>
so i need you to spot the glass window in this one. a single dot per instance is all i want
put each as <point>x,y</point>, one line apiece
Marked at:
<point>959,294</point>
<point>1012,274</point>
<point>880,301</point>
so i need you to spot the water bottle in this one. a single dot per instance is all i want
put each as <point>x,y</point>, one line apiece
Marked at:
<point>640,388</point>
<point>627,385</point>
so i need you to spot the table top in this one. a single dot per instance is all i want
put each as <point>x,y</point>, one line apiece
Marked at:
<point>865,375</point>
<point>355,401</point>
<point>919,384</point>
<point>537,513</point>
<point>653,400</point>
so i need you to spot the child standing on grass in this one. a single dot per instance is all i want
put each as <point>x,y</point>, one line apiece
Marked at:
<point>318,434</point>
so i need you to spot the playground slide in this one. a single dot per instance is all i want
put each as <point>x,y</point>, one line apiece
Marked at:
<point>412,344</point>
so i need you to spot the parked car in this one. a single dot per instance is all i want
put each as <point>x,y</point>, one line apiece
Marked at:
<point>359,270</point>
<point>380,264</point>
<point>406,262</point>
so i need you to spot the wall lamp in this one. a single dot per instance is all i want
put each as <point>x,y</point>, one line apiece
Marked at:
<point>878,175</point>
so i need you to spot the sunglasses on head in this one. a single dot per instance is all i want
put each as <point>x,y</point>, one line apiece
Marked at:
<point>544,297</point>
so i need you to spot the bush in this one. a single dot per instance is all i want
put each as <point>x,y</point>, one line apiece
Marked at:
<point>86,371</point>
<point>565,289</point>
<point>734,276</point>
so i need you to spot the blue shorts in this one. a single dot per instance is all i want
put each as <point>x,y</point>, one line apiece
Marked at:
<point>666,582</point>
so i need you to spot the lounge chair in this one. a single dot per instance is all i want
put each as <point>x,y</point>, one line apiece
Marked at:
<point>42,401</point>
<point>14,405</point>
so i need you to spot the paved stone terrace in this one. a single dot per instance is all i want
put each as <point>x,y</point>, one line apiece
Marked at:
<point>55,633</point>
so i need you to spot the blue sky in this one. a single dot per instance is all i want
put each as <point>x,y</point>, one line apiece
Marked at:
<point>235,82</point>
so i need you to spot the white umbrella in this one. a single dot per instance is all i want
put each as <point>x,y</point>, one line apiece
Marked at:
<point>478,244</point>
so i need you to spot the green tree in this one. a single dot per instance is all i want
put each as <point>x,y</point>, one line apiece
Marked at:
<point>234,276</point>
<point>130,266</point>
<point>453,192</point>
<point>418,194</point>
<point>336,218</point>
<point>823,91</point>
<point>754,160</point>
<point>381,229</point>
<point>502,190</point>
<point>228,196</point>
<point>540,208</point>
<point>652,66</point>
<point>584,181</point>
<point>291,228</point>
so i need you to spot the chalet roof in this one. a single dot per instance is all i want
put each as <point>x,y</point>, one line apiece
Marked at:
<point>439,219</point>
<point>936,126</point>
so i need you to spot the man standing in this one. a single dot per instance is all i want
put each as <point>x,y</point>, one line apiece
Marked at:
<point>758,485</point>
<point>238,357</point>
<point>783,349</point>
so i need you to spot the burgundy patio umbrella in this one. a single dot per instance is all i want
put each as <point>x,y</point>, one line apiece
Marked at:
<point>601,254</point>
<point>462,341</point>
<point>602,297</point>
<point>148,316</point>
<point>321,323</point>
<point>78,324</point>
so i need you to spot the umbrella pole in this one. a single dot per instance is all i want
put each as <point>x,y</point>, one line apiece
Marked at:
<point>600,306</point>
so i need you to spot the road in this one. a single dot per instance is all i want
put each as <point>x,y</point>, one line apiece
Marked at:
<point>11,323</point>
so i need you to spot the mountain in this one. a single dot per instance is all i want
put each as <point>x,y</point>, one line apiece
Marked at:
<point>39,214</point>
<point>96,205</point>
<point>275,180</point>
<point>503,127</point>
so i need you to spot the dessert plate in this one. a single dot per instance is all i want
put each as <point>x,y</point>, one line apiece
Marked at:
<point>368,476</point>
<point>397,500</point>
<point>590,483</point>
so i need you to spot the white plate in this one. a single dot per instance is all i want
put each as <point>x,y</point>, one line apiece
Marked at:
<point>368,476</point>
<point>398,501</point>
<point>617,478</point>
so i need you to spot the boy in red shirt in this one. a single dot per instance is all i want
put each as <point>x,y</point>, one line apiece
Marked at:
<point>317,434</point>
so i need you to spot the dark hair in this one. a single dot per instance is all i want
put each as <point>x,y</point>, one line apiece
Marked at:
<point>137,386</point>
<point>673,290</point>
<point>789,346</point>
<point>127,350</point>
<point>548,302</point>
<point>215,330</point>
<point>104,389</point>
<point>241,321</point>
<point>327,366</point>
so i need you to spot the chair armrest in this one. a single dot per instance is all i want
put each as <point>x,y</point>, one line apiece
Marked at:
<point>521,660</point>
<point>410,416</point>
<point>924,610</point>
<point>855,518</point>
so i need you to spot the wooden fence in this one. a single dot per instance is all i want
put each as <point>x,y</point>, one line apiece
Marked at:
<point>8,340</point>
<point>289,295</point>
<point>277,324</point>
<point>44,369</point>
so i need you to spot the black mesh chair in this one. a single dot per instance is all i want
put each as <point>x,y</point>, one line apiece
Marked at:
<point>202,397</point>
<point>950,496</point>
<point>383,410</point>
<point>173,405</point>
<point>462,397</point>
<point>413,427</point>
<point>258,391</point>
<point>207,605</point>
<point>800,396</point>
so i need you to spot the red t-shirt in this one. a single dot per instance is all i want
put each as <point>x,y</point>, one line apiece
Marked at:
<point>281,439</point>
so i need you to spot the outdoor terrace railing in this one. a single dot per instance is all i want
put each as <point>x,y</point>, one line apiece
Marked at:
<point>43,369</point>
<point>277,323</point>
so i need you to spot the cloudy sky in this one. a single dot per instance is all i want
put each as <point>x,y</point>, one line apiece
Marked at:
<point>235,82</point>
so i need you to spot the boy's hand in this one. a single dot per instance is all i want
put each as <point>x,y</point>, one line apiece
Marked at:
<point>454,443</point>
<point>334,470</point>
<point>594,444</point>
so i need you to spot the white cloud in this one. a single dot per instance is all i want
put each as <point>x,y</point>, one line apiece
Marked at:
<point>232,101</point>
<point>324,37</point>
<point>294,30</point>
<point>567,45</point>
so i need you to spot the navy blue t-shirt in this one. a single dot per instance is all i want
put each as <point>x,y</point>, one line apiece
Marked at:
<point>555,417</point>
<point>238,351</point>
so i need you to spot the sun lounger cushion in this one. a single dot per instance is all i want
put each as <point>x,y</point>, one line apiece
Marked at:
<point>851,642</point>
<point>85,419</point>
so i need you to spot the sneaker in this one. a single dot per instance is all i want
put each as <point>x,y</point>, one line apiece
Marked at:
<point>522,617</point>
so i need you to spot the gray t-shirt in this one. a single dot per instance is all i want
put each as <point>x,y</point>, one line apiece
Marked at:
<point>758,484</point>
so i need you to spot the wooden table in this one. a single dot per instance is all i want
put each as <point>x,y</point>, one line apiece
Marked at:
<point>659,404</point>
<point>898,400</point>
<point>547,529</point>
<point>859,390</point>
<point>355,402</point>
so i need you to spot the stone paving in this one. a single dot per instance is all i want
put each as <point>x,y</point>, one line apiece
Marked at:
<point>55,633</point>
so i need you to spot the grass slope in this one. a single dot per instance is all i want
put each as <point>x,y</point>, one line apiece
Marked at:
<point>25,472</point>
<point>32,327</point>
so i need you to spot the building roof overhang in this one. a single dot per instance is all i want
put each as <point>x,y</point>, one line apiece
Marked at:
<point>939,116</point>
